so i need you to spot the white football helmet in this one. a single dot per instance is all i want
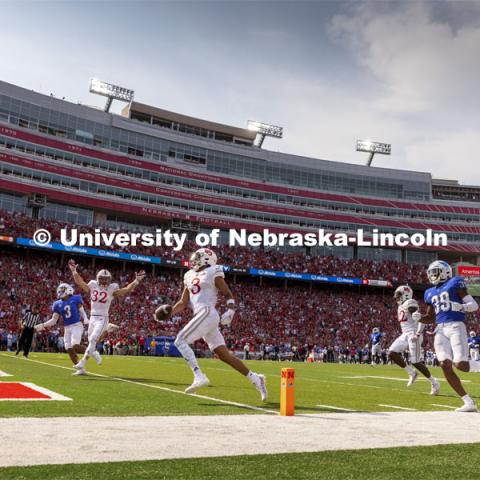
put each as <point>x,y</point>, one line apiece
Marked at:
<point>376,330</point>
<point>402,294</point>
<point>473,334</point>
<point>202,257</point>
<point>64,290</point>
<point>439,272</point>
<point>104,278</point>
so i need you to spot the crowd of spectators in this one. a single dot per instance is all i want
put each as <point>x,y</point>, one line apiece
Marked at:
<point>274,320</point>
<point>21,225</point>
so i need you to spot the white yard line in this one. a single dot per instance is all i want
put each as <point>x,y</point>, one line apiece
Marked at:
<point>341,409</point>
<point>397,407</point>
<point>396,379</point>
<point>166,389</point>
<point>5,374</point>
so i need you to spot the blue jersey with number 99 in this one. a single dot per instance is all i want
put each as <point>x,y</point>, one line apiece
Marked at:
<point>69,309</point>
<point>440,297</point>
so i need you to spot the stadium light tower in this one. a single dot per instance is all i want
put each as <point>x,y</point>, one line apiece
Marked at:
<point>373,148</point>
<point>264,130</point>
<point>112,92</point>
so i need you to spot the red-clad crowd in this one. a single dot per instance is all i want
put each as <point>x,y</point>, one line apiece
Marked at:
<point>21,225</point>
<point>270,314</point>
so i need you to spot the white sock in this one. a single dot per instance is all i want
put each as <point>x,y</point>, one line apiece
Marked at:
<point>187,353</point>
<point>467,399</point>
<point>474,365</point>
<point>252,376</point>
<point>432,380</point>
<point>410,370</point>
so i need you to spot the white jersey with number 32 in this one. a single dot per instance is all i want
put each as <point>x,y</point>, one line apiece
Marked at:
<point>201,287</point>
<point>101,297</point>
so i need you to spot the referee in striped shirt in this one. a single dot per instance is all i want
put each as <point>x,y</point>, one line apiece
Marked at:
<point>30,318</point>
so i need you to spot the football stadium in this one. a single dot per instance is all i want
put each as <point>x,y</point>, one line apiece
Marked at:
<point>290,336</point>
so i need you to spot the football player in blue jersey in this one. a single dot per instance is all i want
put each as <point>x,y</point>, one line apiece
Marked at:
<point>448,302</point>
<point>474,344</point>
<point>376,341</point>
<point>69,307</point>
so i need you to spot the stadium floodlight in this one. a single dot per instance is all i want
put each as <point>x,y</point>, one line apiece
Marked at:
<point>111,91</point>
<point>373,148</point>
<point>264,130</point>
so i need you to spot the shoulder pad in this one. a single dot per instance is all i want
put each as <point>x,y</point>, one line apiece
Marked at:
<point>78,298</point>
<point>459,282</point>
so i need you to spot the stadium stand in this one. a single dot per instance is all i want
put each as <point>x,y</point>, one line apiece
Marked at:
<point>333,321</point>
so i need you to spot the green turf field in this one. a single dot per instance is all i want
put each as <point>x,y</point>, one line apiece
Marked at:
<point>154,386</point>
<point>443,462</point>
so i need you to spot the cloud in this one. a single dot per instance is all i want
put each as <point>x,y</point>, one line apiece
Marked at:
<point>424,81</point>
<point>421,62</point>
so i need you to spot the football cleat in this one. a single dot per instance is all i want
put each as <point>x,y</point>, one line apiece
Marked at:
<point>200,382</point>
<point>412,378</point>
<point>260,383</point>
<point>79,372</point>
<point>80,365</point>
<point>435,387</point>
<point>468,407</point>
<point>97,357</point>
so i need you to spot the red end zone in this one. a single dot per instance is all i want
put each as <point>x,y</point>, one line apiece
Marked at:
<point>27,391</point>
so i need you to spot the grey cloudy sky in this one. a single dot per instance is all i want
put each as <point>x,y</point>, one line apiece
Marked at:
<point>329,72</point>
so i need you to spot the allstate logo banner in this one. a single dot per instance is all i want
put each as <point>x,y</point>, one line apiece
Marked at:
<point>59,247</point>
<point>305,276</point>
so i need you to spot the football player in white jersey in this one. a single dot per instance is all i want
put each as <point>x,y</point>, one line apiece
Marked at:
<point>201,286</point>
<point>102,291</point>
<point>411,338</point>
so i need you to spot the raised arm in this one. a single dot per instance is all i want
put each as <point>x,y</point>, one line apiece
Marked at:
<point>139,276</point>
<point>79,281</point>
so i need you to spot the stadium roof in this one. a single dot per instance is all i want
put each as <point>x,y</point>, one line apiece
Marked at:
<point>151,114</point>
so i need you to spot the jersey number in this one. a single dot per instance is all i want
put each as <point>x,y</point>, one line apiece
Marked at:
<point>195,286</point>
<point>100,297</point>
<point>68,311</point>
<point>441,302</point>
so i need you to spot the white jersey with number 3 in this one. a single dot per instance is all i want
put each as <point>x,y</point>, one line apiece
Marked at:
<point>201,287</point>
<point>101,297</point>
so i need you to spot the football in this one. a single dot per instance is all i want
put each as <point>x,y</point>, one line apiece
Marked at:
<point>163,312</point>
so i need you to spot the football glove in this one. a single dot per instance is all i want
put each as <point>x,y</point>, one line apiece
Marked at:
<point>163,312</point>
<point>227,317</point>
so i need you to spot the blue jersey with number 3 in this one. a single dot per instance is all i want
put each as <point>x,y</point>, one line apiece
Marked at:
<point>69,309</point>
<point>440,297</point>
<point>376,337</point>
